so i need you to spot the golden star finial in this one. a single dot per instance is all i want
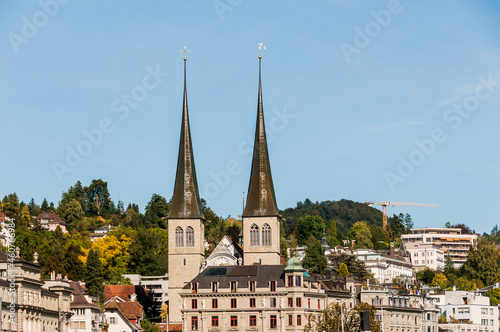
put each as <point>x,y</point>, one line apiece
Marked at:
<point>185,50</point>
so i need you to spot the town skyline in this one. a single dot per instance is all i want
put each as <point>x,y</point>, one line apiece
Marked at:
<point>340,114</point>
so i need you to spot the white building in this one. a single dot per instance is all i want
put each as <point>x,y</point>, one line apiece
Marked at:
<point>384,267</point>
<point>86,312</point>
<point>425,255</point>
<point>451,241</point>
<point>468,307</point>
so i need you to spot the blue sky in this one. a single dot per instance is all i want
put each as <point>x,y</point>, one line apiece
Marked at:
<point>380,100</point>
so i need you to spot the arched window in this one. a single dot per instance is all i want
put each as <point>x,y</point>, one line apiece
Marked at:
<point>179,237</point>
<point>254,235</point>
<point>189,237</point>
<point>266,235</point>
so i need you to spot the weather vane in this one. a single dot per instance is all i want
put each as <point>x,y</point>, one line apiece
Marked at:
<point>261,47</point>
<point>185,51</point>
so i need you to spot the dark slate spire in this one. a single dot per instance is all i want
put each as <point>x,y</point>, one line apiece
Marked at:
<point>260,200</point>
<point>186,199</point>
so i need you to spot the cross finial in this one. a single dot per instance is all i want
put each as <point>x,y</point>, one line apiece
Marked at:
<point>185,50</point>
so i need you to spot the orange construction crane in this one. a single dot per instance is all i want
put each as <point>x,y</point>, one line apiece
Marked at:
<point>387,203</point>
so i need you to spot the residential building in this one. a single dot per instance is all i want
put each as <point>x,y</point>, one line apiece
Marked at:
<point>251,297</point>
<point>123,316</point>
<point>384,266</point>
<point>87,316</point>
<point>426,255</point>
<point>100,233</point>
<point>50,221</point>
<point>39,306</point>
<point>400,310</point>
<point>451,241</point>
<point>4,232</point>
<point>467,307</point>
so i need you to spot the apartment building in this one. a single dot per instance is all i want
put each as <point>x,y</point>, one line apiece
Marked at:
<point>425,255</point>
<point>451,241</point>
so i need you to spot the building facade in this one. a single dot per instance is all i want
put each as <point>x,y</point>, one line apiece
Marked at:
<point>451,241</point>
<point>384,267</point>
<point>426,255</point>
<point>28,303</point>
<point>252,298</point>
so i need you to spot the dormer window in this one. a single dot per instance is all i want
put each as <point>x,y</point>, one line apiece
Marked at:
<point>194,287</point>
<point>233,286</point>
<point>252,286</point>
<point>272,286</point>
<point>298,281</point>
<point>290,281</point>
<point>214,287</point>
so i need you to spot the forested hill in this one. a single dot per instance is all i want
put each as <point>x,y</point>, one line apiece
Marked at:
<point>344,212</point>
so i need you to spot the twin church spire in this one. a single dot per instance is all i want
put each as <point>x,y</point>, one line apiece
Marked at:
<point>261,200</point>
<point>186,202</point>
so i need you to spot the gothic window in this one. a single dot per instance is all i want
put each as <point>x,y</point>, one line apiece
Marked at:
<point>189,237</point>
<point>266,235</point>
<point>254,235</point>
<point>179,237</point>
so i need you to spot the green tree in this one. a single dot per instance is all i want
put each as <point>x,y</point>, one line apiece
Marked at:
<point>149,327</point>
<point>283,247</point>
<point>361,233</point>
<point>25,217</point>
<point>33,208</point>
<point>74,214</point>
<point>356,268</point>
<point>310,226</point>
<point>156,212</point>
<point>343,270</point>
<point>73,266</point>
<point>482,262</point>
<point>440,281</point>
<point>463,284</point>
<point>494,295</point>
<point>292,244</point>
<point>97,198</point>
<point>315,259</point>
<point>427,276</point>
<point>149,252</point>
<point>331,233</point>
<point>45,206</point>
<point>94,277</point>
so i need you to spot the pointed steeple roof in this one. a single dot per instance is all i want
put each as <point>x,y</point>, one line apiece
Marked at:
<point>261,200</point>
<point>186,199</point>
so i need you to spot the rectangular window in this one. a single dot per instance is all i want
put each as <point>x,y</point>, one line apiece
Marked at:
<point>112,320</point>
<point>194,304</point>
<point>215,303</point>
<point>309,303</point>
<point>290,320</point>
<point>299,320</point>
<point>214,287</point>
<point>233,286</point>
<point>298,281</point>
<point>194,323</point>
<point>272,286</point>
<point>290,281</point>
<point>194,287</point>
<point>234,320</point>
<point>298,302</point>
<point>233,303</point>
<point>252,286</point>
<point>215,320</point>
<point>273,323</point>
<point>253,321</point>
<point>319,304</point>
<point>290,302</point>
<point>252,303</point>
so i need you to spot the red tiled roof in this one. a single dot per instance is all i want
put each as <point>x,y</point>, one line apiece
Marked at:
<point>3,217</point>
<point>52,216</point>
<point>131,310</point>
<point>124,292</point>
<point>79,299</point>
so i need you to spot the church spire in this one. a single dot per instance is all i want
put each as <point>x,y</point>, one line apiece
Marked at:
<point>186,199</point>
<point>261,200</point>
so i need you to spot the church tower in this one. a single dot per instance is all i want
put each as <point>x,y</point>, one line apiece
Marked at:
<point>261,221</point>
<point>186,232</point>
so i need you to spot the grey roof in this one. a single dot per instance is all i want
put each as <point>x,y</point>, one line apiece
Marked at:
<point>186,202</point>
<point>261,200</point>
<point>242,274</point>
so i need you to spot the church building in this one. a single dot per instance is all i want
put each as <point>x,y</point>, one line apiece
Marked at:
<point>236,288</point>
